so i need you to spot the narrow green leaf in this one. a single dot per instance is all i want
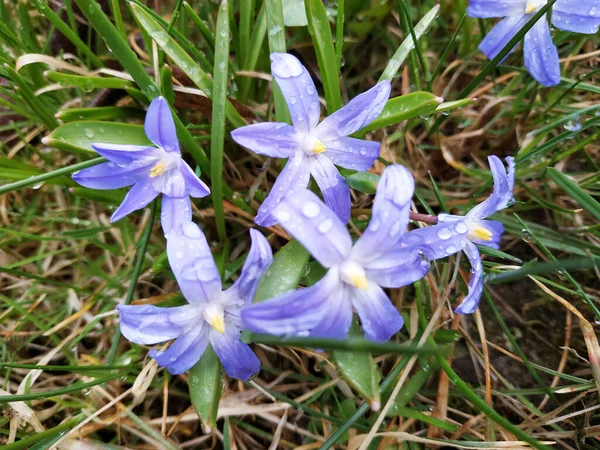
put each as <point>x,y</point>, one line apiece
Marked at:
<point>276,37</point>
<point>320,32</point>
<point>408,44</point>
<point>360,372</point>
<point>283,275</point>
<point>588,203</point>
<point>363,182</point>
<point>99,113</point>
<point>217,140</point>
<point>80,135</point>
<point>205,388</point>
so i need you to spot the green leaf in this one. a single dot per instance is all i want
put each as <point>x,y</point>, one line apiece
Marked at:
<point>79,136</point>
<point>360,371</point>
<point>363,182</point>
<point>294,14</point>
<point>408,44</point>
<point>99,113</point>
<point>205,388</point>
<point>588,203</point>
<point>402,108</point>
<point>283,275</point>
<point>87,83</point>
<point>276,38</point>
<point>320,32</point>
<point>456,104</point>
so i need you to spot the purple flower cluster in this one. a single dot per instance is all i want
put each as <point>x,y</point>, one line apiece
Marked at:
<point>385,255</point>
<point>541,56</point>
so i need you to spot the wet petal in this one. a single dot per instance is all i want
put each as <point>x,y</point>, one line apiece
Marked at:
<point>493,8</point>
<point>317,228</point>
<point>160,127</point>
<point>398,267</point>
<point>293,178</point>
<point>111,176</point>
<point>581,16</point>
<point>336,323</point>
<point>171,183</point>
<point>174,212</point>
<point>501,34</point>
<point>148,324</point>
<point>475,286</point>
<point>378,316</point>
<point>351,153</point>
<point>298,90</point>
<point>502,194</point>
<point>391,210</point>
<point>125,154</point>
<point>333,186</point>
<point>358,113</point>
<point>258,260</point>
<point>278,140</point>
<point>185,351</point>
<point>541,56</point>
<point>439,241</point>
<point>237,358</point>
<point>192,263</point>
<point>486,232</point>
<point>293,313</point>
<point>193,185</point>
<point>137,198</point>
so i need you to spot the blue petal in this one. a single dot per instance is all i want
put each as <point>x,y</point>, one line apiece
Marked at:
<point>333,186</point>
<point>502,194</point>
<point>438,241</point>
<point>390,214</point>
<point>148,324</point>
<point>475,287</point>
<point>501,34</point>
<point>277,140</point>
<point>541,56</point>
<point>378,316</point>
<point>237,358</point>
<point>398,267</point>
<point>194,186</point>
<point>358,113</point>
<point>125,154</point>
<point>259,259</point>
<point>317,228</point>
<point>580,16</point>
<point>171,183</point>
<point>174,212</point>
<point>192,263</point>
<point>111,176</point>
<point>336,323</point>
<point>293,178</point>
<point>160,127</point>
<point>185,351</point>
<point>298,90</point>
<point>293,313</point>
<point>495,228</point>
<point>351,153</point>
<point>493,8</point>
<point>138,197</point>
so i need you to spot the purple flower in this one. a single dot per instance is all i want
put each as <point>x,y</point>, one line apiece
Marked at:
<point>356,273</point>
<point>312,147</point>
<point>541,56</point>
<point>455,233</point>
<point>151,171</point>
<point>212,316</point>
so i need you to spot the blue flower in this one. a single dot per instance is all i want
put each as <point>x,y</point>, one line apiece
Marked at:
<point>453,234</point>
<point>356,273</point>
<point>151,171</point>
<point>312,147</point>
<point>541,56</point>
<point>212,316</point>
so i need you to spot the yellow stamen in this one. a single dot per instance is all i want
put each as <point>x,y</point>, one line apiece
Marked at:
<point>318,147</point>
<point>530,6</point>
<point>481,233</point>
<point>218,324</point>
<point>215,316</point>
<point>158,169</point>
<point>360,281</point>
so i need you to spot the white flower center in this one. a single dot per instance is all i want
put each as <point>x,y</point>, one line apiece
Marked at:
<point>352,273</point>
<point>478,232</point>
<point>214,314</point>
<point>534,5</point>
<point>167,161</point>
<point>312,145</point>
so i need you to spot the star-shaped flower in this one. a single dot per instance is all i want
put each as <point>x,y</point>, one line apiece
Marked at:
<point>453,233</point>
<point>356,273</point>
<point>541,56</point>
<point>312,147</point>
<point>212,316</point>
<point>151,171</point>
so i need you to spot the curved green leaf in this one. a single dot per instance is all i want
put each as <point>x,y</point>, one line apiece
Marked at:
<point>205,388</point>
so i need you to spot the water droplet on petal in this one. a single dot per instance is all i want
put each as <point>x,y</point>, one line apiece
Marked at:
<point>284,216</point>
<point>325,226</point>
<point>444,233</point>
<point>311,209</point>
<point>461,227</point>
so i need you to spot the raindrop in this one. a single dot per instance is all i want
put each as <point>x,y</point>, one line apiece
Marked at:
<point>526,235</point>
<point>38,185</point>
<point>284,216</point>
<point>461,227</point>
<point>325,226</point>
<point>311,209</point>
<point>89,133</point>
<point>444,233</point>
